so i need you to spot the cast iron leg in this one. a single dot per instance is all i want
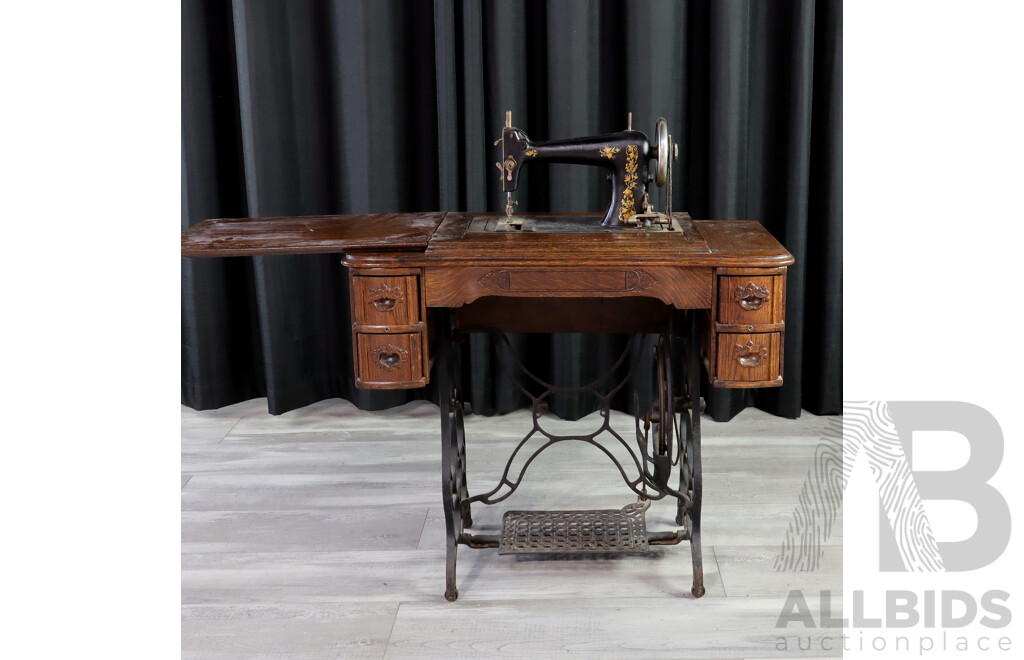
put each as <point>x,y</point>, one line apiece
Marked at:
<point>693,380</point>
<point>684,464</point>
<point>689,464</point>
<point>452,486</point>
<point>694,518</point>
<point>460,441</point>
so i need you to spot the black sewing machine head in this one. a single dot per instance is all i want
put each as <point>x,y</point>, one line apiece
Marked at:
<point>634,162</point>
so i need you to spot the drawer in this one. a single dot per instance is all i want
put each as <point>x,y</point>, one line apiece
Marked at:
<point>748,358</point>
<point>389,361</point>
<point>751,300</point>
<point>387,301</point>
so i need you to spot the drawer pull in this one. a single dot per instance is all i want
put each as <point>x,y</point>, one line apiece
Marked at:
<point>386,297</point>
<point>752,296</point>
<point>750,354</point>
<point>390,356</point>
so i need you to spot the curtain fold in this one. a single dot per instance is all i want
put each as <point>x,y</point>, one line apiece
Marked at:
<point>357,106</point>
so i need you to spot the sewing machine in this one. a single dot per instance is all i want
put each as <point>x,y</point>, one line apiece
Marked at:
<point>627,154</point>
<point>713,290</point>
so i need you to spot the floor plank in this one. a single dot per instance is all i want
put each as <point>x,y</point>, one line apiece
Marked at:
<point>623,629</point>
<point>205,431</point>
<point>750,571</point>
<point>315,453</point>
<point>292,492</point>
<point>418,576</point>
<point>205,427</point>
<point>294,631</point>
<point>349,528</point>
<point>323,416</point>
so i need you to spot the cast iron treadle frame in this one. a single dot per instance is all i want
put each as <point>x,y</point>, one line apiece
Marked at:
<point>659,435</point>
<point>553,532</point>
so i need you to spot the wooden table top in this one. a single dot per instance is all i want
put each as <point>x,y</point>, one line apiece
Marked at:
<point>309,234</point>
<point>436,237</point>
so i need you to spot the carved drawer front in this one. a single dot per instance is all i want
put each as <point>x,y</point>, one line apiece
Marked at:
<point>387,301</point>
<point>751,300</point>
<point>389,361</point>
<point>744,359</point>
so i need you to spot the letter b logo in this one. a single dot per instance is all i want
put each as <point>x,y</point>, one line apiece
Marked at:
<point>905,531</point>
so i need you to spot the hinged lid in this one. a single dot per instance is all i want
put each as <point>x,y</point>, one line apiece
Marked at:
<point>238,237</point>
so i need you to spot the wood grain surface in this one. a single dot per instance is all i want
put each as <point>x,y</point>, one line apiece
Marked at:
<point>612,315</point>
<point>385,301</point>
<point>444,260</point>
<point>732,310</point>
<point>390,360</point>
<point>456,239</point>
<point>430,236</point>
<point>309,234</point>
<point>455,285</point>
<point>762,370</point>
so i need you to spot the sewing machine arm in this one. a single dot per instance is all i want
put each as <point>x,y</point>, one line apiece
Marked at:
<point>626,153</point>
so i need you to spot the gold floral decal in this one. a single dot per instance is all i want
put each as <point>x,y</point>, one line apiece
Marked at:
<point>609,152</point>
<point>531,152</point>
<point>627,211</point>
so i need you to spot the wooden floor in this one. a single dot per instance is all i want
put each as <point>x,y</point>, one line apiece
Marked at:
<point>319,534</point>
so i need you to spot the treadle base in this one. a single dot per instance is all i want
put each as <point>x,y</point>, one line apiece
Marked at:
<point>601,531</point>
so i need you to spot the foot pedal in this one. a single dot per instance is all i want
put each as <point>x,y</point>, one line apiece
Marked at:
<point>601,531</point>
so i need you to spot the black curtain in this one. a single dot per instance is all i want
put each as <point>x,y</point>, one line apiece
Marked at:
<point>355,106</point>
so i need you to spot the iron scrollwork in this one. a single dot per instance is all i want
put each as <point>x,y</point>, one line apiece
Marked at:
<point>667,435</point>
